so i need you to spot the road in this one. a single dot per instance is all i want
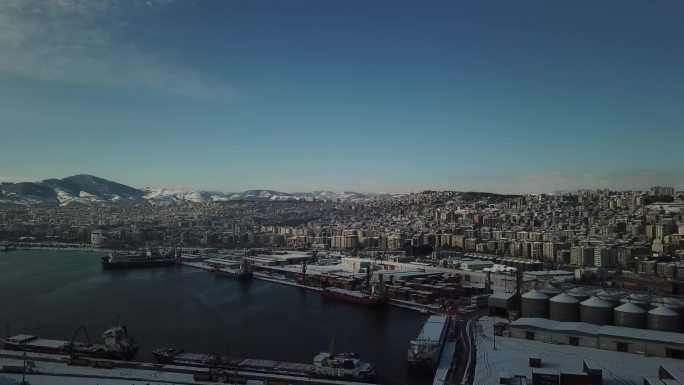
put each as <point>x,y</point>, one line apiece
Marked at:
<point>464,362</point>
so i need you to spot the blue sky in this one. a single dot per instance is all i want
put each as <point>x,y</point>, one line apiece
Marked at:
<point>518,96</point>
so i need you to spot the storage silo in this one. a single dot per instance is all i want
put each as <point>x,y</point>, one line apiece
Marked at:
<point>596,311</point>
<point>638,299</point>
<point>564,308</point>
<point>664,319</point>
<point>538,266</point>
<point>551,291</point>
<point>579,292</point>
<point>670,303</point>
<point>630,315</point>
<point>608,296</point>
<point>534,304</point>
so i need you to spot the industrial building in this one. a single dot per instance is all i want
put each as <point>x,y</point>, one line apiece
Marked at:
<point>616,338</point>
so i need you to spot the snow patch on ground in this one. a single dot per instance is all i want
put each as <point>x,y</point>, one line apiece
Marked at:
<point>511,355</point>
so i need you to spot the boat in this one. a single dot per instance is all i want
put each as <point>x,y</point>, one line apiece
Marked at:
<point>354,296</point>
<point>7,247</point>
<point>242,272</point>
<point>424,351</point>
<point>148,258</point>
<point>118,345</point>
<point>326,365</point>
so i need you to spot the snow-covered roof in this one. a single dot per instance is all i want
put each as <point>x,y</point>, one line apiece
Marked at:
<point>501,295</point>
<point>629,307</point>
<point>642,334</point>
<point>596,302</point>
<point>535,294</point>
<point>564,298</point>
<point>664,311</point>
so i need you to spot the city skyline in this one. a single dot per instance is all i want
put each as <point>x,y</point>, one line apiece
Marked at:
<point>370,97</point>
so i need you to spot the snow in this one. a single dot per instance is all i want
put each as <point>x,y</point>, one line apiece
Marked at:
<point>511,355</point>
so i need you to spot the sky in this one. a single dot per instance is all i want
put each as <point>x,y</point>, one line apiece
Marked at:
<point>382,95</point>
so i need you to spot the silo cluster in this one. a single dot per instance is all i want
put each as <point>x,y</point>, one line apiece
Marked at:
<point>603,307</point>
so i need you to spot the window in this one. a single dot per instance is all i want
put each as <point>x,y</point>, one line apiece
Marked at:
<point>529,336</point>
<point>674,353</point>
<point>622,347</point>
<point>574,341</point>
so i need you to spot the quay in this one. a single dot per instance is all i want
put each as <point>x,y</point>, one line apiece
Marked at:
<point>50,369</point>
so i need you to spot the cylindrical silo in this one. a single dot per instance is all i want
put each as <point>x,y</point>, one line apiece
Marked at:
<point>579,292</point>
<point>670,303</point>
<point>550,290</point>
<point>630,315</point>
<point>664,319</point>
<point>596,311</point>
<point>564,308</point>
<point>534,304</point>
<point>638,299</point>
<point>613,298</point>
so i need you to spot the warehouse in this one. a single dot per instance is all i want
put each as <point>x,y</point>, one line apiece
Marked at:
<point>616,338</point>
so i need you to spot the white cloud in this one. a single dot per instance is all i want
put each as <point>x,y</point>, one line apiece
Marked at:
<point>81,42</point>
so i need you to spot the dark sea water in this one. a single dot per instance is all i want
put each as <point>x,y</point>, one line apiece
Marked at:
<point>52,293</point>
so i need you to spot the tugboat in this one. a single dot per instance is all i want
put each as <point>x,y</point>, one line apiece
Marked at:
<point>149,258</point>
<point>242,272</point>
<point>118,345</point>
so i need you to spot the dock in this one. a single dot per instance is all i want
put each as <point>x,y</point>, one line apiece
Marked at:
<point>50,369</point>
<point>445,363</point>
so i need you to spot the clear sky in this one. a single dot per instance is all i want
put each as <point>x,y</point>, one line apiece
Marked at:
<point>395,96</point>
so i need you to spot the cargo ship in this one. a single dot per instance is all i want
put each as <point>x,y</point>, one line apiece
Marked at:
<point>424,351</point>
<point>243,271</point>
<point>118,345</point>
<point>354,296</point>
<point>327,365</point>
<point>148,258</point>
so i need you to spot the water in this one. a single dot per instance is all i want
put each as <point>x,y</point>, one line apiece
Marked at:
<point>52,293</point>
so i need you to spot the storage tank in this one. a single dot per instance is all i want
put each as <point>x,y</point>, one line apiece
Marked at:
<point>534,304</point>
<point>664,319</point>
<point>608,296</point>
<point>638,299</point>
<point>670,303</point>
<point>550,290</point>
<point>564,308</point>
<point>596,311</point>
<point>580,293</point>
<point>630,315</point>
<point>538,265</point>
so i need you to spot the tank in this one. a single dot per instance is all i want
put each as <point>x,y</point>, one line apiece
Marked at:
<point>670,303</point>
<point>580,293</point>
<point>630,315</point>
<point>608,296</point>
<point>534,304</point>
<point>564,308</point>
<point>596,311</point>
<point>638,299</point>
<point>664,319</point>
<point>550,290</point>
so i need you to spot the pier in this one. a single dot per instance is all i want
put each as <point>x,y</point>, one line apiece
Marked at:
<point>50,369</point>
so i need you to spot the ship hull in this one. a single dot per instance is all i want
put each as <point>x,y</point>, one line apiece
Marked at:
<point>366,300</point>
<point>93,351</point>
<point>239,275</point>
<point>121,265</point>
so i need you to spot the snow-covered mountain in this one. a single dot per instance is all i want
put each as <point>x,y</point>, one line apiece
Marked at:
<point>167,196</point>
<point>91,190</point>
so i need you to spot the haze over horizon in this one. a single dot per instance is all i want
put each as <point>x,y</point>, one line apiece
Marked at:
<point>388,96</point>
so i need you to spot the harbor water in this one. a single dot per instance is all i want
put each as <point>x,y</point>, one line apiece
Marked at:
<point>52,293</point>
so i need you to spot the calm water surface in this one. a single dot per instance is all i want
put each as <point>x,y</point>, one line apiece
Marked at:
<point>51,293</point>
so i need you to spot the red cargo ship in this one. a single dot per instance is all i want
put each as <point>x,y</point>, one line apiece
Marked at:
<point>354,296</point>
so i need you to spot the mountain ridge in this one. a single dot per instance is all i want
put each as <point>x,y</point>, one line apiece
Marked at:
<point>84,189</point>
